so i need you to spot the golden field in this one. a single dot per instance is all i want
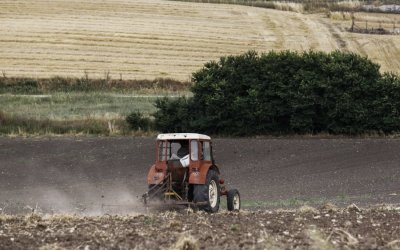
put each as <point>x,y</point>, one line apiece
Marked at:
<point>145,39</point>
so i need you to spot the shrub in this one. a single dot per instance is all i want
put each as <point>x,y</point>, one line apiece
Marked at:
<point>66,84</point>
<point>286,92</point>
<point>384,110</point>
<point>2,118</point>
<point>137,121</point>
<point>19,86</point>
<point>173,115</point>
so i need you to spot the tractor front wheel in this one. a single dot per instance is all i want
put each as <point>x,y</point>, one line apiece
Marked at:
<point>209,192</point>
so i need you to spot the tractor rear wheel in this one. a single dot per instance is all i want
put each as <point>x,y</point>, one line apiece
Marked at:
<point>209,192</point>
<point>233,200</point>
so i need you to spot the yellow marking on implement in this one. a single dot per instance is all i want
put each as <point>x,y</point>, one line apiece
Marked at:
<point>173,194</point>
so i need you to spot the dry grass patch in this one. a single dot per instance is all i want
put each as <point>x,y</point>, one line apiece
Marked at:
<point>349,4</point>
<point>339,15</point>
<point>186,242</point>
<point>329,207</point>
<point>318,242</point>
<point>53,246</point>
<point>288,6</point>
<point>61,218</point>
<point>307,209</point>
<point>6,217</point>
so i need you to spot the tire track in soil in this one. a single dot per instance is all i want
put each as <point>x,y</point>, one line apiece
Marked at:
<point>271,25</point>
<point>342,44</point>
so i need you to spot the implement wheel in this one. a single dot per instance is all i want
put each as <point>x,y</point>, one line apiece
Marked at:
<point>233,200</point>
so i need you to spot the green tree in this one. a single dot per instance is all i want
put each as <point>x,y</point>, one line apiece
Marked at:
<point>286,92</point>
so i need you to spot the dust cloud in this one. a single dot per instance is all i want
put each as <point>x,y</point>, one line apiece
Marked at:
<point>67,192</point>
<point>65,181</point>
<point>88,199</point>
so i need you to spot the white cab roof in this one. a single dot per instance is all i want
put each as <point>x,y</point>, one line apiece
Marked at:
<point>183,136</point>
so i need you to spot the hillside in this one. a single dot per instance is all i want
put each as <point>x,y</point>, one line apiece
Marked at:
<point>153,38</point>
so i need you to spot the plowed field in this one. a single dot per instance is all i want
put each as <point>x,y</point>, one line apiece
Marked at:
<point>86,174</point>
<point>46,179</point>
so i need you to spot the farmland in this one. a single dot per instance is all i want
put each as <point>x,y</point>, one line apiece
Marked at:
<point>73,175</point>
<point>305,228</point>
<point>126,42</point>
<point>78,193</point>
<point>148,39</point>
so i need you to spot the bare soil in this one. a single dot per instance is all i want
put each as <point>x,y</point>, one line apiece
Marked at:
<point>44,180</point>
<point>94,175</point>
<point>326,228</point>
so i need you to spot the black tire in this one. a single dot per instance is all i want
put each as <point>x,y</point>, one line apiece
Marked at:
<point>233,200</point>
<point>201,192</point>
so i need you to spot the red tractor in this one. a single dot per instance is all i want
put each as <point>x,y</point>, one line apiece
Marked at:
<point>185,174</point>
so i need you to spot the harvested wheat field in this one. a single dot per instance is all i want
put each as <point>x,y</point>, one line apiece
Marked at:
<point>154,38</point>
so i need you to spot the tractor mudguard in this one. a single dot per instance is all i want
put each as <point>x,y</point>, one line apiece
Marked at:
<point>154,176</point>
<point>198,176</point>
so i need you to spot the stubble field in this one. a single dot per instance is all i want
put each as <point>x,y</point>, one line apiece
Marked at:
<point>138,39</point>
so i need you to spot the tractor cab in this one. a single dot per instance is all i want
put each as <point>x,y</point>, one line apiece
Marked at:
<point>185,172</point>
<point>184,150</point>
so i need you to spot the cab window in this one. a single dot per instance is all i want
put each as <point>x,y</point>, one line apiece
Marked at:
<point>206,151</point>
<point>194,150</point>
<point>163,150</point>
